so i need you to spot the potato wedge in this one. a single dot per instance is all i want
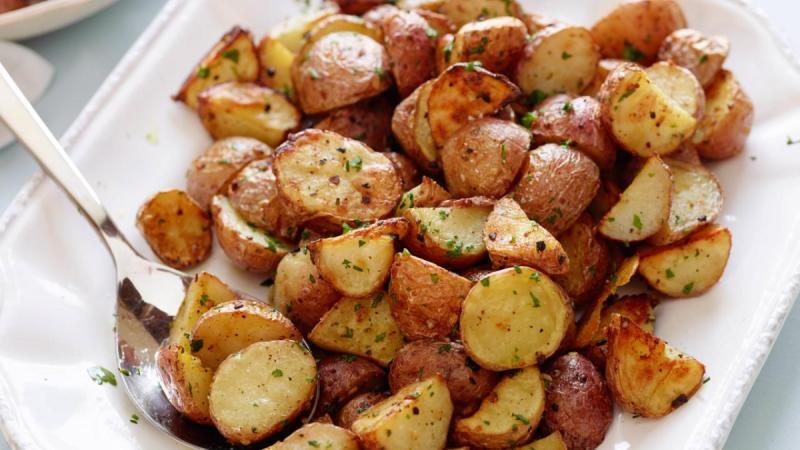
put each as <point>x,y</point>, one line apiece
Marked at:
<point>508,416</point>
<point>353,409</point>
<point>514,318</point>
<point>647,376</point>
<point>403,127</point>
<point>680,85</point>
<point>589,260</point>
<point>634,30</point>
<point>276,66</point>
<point>300,292</point>
<point>643,207</point>
<point>203,293</point>
<point>696,201</point>
<point>338,70</point>
<point>318,435</point>
<point>362,327</point>
<point>496,42</point>
<point>465,92</point>
<point>461,12</point>
<point>411,46</point>
<point>512,239</point>
<point>247,246</point>
<point>280,377</point>
<point>701,54</point>
<point>638,308</point>
<point>233,58</point>
<point>185,382</point>
<point>406,169</point>
<point>727,119</point>
<point>333,180</point>
<point>230,327</point>
<point>357,263</point>
<point>484,157</point>
<point>417,416</point>
<point>604,67</point>
<point>640,116</point>
<point>427,194</point>
<point>425,152</point>
<point>426,298</point>
<point>342,377</point>
<point>691,267</point>
<point>337,23</point>
<point>553,441</point>
<point>366,121</point>
<point>449,236</point>
<point>247,109</point>
<point>176,228</point>
<point>559,58</point>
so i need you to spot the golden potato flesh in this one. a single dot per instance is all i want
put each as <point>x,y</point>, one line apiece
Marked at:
<point>427,194</point>
<point>680,85</point>
<point>300,292</point>
<point>496,42</point>
<point>276,66</point>
<point>318,435</point>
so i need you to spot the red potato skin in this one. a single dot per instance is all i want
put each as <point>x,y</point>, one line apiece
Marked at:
<point>411,51</point>
<point>357,406</point>
<point>342,377</point>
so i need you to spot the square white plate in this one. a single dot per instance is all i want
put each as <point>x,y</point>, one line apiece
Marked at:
<point>57,284</point>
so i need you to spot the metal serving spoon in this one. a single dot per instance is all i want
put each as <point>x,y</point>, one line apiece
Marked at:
<point>145,290</point>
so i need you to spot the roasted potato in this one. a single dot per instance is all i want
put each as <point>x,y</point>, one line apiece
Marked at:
<point>647,376</point>
<point>643,207</point>
<point>512,240</point>
<point>449,236</point>
<point>688,268</point>
<point>701,54</point>
<point>342,377</point>
<point>426,298</point>
<point>680,85</point>
<point>576,121</point>
<point>338,70</point>
<point>362,327</point>
<point>176,228</point>
<point>357,263</point>
<point>496,42</point>
<point>366,121</point>
<point>468,383</point>
<point>411,46</point>
<point>556,186</point>
<point>508,415</point>
<point>406,169</point>
<point>338,23</point>
<point>461,12</point>
<point>578,403</point>
<point>589,260</point>
<point>638,308</point>
<point>417,416</point>
<point>278,377</point>
<point>300,292</point>
<point>249,247</point>
<point>444,52</point>
<point>276,66</point>
<point>293,31</point>
<point>330,180</point>
<point>211,172</point>
<point>463,93</point>
<point>484,157</point>
<point>640,116</point>
<point>727,119</point>
<point>513,318</point>
<point>559,58</point>
<point>427,194</point>
<point>247,109</point>
<point>203,293</point>
<point>233,58</point>
<point>406,128</point>
<point>604,67</point>
<point>635,30</point>
<point>353,409</point>
<point>318,435</point>
<point>230,327</point>
<point>185,382</point>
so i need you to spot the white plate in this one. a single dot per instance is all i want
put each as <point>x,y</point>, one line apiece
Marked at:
<point>57,283</point>
<point>47,16</point>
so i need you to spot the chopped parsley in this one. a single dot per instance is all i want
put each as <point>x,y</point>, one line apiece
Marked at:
<point>348,332</point>
<point>485,281</point>
<point>203,72</point>
<point>431,33</point>
<point>434,278</point>
<point>361,243</point>
<point>528,119</point>
<point>670,273</point>
<point>380,337</point>
<point>567,107</point>
<point>312,279</point>
<point>203,299</point>
<point>631,53</point>
<point>518,269</point>
<point>232,54</point>
<point>790,141</point>
<point>521,418</point>
<point>470,67</point>
<point>566,55</point>
<point>535,300</point>
<point>101,375</point>
<point>445,348</point>
<point>134,419</point>
<point>626,94</point>
<point>196,345</point>
<point>277,373</point>
<point>313,73</point>
<point>355,164</point>
<point>377,300</point>
<point>688,288</point>
<point>448,50</point>
<point>380,72</point>
<point>703,58</point>
<point>535,97</point>
<point>480,48</point>
<point>313,443</point>
<point>535,276</point>
<point>706,380</point>
<point>348,358</point>
<point>637,222</point>
<point>503,152</point>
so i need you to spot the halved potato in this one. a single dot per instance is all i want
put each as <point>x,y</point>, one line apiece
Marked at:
<point>696,201</point>
<point>247,109</point>
<point>559,58</point>
<point>588,260</point>
<point>417,416</point>
<point>185,382</point>
<point>465,92</point>
<point>647,376</point>
<point>258,390</point>
<point>496,42</point>
<point>640,116</point>
<point>276,66</point>
<point>691,267</point>
<point>292,32</point>
<point>552,441</point>
<point>701,54</point>
<point>233,58</point>
<point>461,12</point>
<point>512,239</point>
<point>176,228</point>
<point>230,327</point>
<point>604,67</point>
<point>357,263</point>
<point>514,318</point>
<point>300,292</point>
<point>507,416</point>
<point>426,298</point>
<point>638,308</point>
<point>366,121</point>
<point>425,152</point>
<point>727,119</point>
<point>203,293</point>
<point>680,85</point>
<point>427,194</point>
<point>333,180</point>
<point>362,327</point>
<point>643,207</point>
<point>249,247</point>
<point>318,435</point>
<point>337,23</point>
<point>411,46</point>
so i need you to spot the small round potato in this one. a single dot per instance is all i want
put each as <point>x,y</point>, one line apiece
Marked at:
<point>406,169</point>
<point>300,292</point>
<point>484,157</point>
<point>497,42</point>
<point>468,383</point>
<point>340,69</point>
<point>558,184</point>
<point>210,172</point>
<point>366,121</point>
<point>589,260</point>
<point>411,45</point>
<point>342,377</point>
<point>578,402</point>
<point>357,406</point>
<point>727,119</point>
<point>701,54</point>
